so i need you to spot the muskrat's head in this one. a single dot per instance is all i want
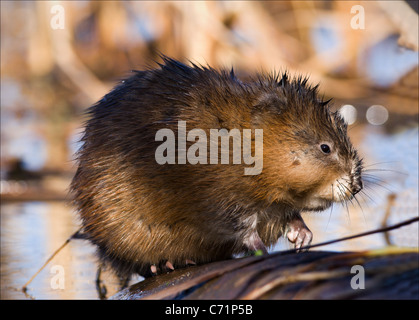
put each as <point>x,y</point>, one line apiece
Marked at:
<point>308,159</point>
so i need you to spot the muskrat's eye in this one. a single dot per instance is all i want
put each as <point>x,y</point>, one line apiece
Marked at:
<point>325,148</point>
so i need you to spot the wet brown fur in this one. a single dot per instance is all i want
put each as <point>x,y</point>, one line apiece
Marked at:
<point>141,213</point>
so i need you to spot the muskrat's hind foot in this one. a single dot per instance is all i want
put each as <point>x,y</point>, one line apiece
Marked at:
<point>298,233</point>
<point>169,265</point>
<point>164,267</point>
<point>153,269</point>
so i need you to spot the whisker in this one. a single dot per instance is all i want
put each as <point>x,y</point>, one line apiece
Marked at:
<point>365,202</point>
<point>374,178</point>
<point>350,191</point>
<point>354,196</point>
<point>343,200</point>
<point>363,193</point>
<point>377,163</point>
<point>376,183</point>
<point>360,207</point>
<point>369,177</point>
<point>331,209</point>
<point>371,187</point>
<point>345,187</point>
<point>386,170</point>
<point>347,211</point>
<point>367,174</point>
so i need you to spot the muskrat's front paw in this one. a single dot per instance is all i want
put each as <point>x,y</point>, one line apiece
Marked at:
<point>300,238</point>
<point>299,234</point>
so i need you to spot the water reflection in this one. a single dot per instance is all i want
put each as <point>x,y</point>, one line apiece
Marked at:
<point>30,232</point>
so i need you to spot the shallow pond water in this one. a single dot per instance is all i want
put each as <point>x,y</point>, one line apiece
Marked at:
<point>31,231</point>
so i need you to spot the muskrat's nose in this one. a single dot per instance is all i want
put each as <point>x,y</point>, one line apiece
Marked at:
<point>357,186</point>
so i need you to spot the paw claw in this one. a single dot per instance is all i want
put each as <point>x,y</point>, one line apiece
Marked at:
<point>153,269</point>
<point>169,265</point>
<point>299,234</point>
<point>190,262</point>
<point>304,238</point>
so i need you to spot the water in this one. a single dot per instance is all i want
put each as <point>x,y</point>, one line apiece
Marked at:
<point>31,231</point>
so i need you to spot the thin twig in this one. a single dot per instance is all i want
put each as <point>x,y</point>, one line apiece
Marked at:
<point>363,234</point>
<point>73,236</point>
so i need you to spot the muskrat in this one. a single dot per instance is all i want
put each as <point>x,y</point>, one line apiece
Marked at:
<point>147,217</point>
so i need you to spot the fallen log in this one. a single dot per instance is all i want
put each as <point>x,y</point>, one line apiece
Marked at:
<point>389,273</point>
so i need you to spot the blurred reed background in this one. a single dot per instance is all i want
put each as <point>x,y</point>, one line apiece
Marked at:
<point>59,57</point>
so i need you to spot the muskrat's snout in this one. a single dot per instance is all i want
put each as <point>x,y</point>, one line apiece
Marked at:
<point>350,182</point>
<point>356,180</point>
<point>357,186</point>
